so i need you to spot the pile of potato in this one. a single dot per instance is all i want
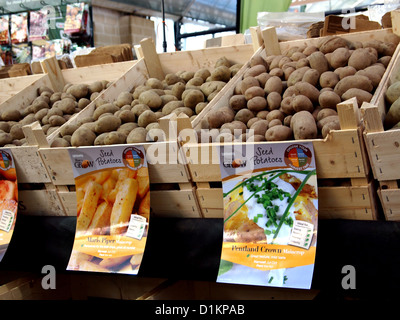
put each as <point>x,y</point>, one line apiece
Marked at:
<point>294,95</point>
<point>51,109</point>
<point>392,99</point>
<point>133,116</point>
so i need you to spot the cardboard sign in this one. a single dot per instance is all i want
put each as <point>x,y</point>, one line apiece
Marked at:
<point>270,214</point>
<point>113,208</point>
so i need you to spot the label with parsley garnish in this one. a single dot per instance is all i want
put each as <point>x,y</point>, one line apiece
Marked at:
<point>270,214</point>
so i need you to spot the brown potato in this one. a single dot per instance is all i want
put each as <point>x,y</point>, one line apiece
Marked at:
<point>244,115</point>
<point>60,143</point>
<point>107,123</point>
<point>361,95</point>
<point>254,92</point>
<point>318,62</point>
<point>192,97</point>
<point>257,104</point>
<point>340,57</point>
<point>303,126</point>
<point>83,137</point>
<point>216,118</point>
<point>260,127</point>
<point>238,102</point>
<point>146,117</point>
<point>311,76</point>
<point>328,79</point>
<point>302,102</point>
<point>151,99</point>
<point>274,100</point>
<point>360,82</point>
<point>11,115</point>
<point>345,71</point>
<point>329,99</point>
<point>255,71</point>
<point>273,84</point>
<point>78,90</point>
<point>279,133</point>
<point>247,83</point>
<point>362,58</point>
<point>103,109</point>
<point>137,135</point>
<point>114,137</point>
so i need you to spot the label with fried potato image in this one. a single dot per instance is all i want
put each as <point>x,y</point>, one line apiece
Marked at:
<point>113,208</point>
<point>8,199</point>
<point>270,205</point>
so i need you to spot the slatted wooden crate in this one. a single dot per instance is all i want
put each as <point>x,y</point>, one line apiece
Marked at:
<point>173,193</point>
<point>37,193</point>
<point>341,155</point>
<point>383,146</point>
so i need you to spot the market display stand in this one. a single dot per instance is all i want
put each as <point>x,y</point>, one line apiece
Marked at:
<point>383,147</point>
<point>341,155</point>
<point>194,189</point>
<point>38,195</point>
<point>173,192</point>
<point>185,190</point>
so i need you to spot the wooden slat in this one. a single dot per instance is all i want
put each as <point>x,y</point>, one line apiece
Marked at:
<point>349,114</point>
<point>152,59</point>
<point>52,69</point>
<point>87,75</point>
<point>270,39</point>
<point>26,95</point>
<point>204,58</point>
<point>256,37</point>
<point>390,200</point>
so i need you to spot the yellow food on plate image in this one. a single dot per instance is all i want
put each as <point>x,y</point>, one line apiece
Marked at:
<point>101,219</point>
<point>123,205</point>
<point>89,205</point>
<point>106,199</point>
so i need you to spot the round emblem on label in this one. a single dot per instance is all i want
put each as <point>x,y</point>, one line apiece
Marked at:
<point>298,157</point>
<point>133,158</point>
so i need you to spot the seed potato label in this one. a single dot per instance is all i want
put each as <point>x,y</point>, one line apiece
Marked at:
<point>270,205</point>
<point>113,208</point>
<point>8,199</point>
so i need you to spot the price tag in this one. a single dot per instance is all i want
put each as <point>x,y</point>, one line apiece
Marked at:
<point>302,234</point>
<point>136,227</point>
<point>6,220</point>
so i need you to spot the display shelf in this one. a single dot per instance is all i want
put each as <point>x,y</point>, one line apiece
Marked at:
<point>383,145</point>
<point>173,193</point>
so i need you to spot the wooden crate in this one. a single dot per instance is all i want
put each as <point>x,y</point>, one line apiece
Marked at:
<point>173,193</point>
<point>353,199</point>
<point>342,154</point>
<point>383,146</point>
<point>41,195</point>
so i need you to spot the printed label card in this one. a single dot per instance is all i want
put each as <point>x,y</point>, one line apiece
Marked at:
<point>270,214</point>
<point>113,208</point>
<point>8,199</point>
